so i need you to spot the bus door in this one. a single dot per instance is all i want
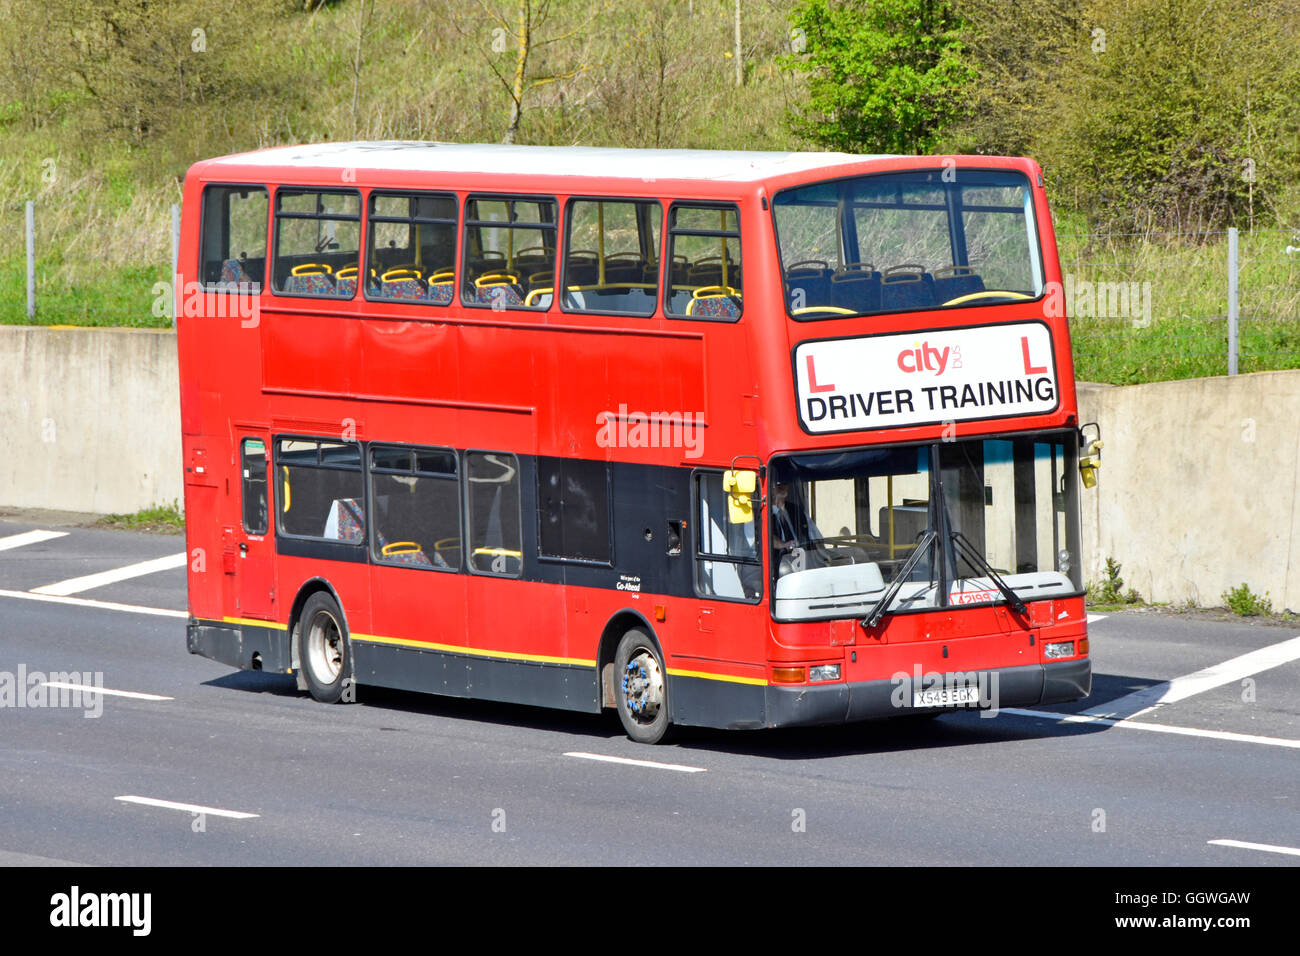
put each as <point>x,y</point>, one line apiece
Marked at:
<point>248,547</point>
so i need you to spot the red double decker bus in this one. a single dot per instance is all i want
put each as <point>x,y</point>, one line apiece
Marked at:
<point>707,438</point>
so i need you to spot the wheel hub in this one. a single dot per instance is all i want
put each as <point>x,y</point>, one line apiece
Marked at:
<point>643,686</point>
<point>325,648</point>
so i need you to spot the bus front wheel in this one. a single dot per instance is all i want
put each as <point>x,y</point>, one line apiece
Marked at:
<point>323,650</point>
<point>641,688</point>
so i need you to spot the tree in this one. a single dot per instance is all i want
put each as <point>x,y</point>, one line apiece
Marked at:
<point>524,38</point>
<point>1178,115</point>
<point>883,75</point>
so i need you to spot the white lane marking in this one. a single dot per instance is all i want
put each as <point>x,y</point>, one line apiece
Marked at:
<point>1265,847</point>
<point>88,581</point>
<point>1094,618</point>
<point>101,605</point>
<point>29,537</point>
<point>680,768</point>
<point>90,688</point>
<point>187,807</point>
<point>1180,688</point>
<point>1153,728</point>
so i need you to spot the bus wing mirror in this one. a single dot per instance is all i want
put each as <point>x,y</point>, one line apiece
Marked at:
<point>740,486</point>
<point>1089,463</point>
<point>1090,454</point>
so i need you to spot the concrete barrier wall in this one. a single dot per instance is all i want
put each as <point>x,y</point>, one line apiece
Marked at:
<point>1198,487</point>
<point>92,419</point>
<point>1197,491</point>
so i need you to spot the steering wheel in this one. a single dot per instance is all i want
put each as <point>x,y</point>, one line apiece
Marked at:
<point>987,294</point>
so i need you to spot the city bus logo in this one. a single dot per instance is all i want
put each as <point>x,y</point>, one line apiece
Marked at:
<point>927,358</point>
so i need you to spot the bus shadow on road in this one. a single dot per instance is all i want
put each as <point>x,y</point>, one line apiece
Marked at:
<point>957,728</point>
<point>890,735</point>
<point>257,682</point>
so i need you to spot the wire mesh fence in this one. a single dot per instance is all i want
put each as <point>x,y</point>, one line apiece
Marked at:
<point>1154,306</point>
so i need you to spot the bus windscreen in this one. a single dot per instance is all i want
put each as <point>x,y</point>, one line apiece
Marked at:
<point>904,242</point>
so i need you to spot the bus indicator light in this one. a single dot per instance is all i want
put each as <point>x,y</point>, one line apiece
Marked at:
<point>787,675</point>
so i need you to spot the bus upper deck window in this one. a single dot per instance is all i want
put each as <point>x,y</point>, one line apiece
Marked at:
<point>233,241</point>
<point>611,258</point>
<point>509,253</point>
<point>411,247</point>
<point>317,243</point>
<point>705,268</point>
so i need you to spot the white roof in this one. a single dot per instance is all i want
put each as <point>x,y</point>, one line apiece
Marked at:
<point>645,164</point>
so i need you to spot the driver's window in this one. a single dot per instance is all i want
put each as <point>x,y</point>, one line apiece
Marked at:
<point>727,562</point>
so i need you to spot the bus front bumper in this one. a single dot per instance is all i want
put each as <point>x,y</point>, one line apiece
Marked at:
<point>1033,684</point>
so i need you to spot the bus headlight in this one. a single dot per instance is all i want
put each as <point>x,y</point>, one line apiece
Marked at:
<point>1059,649</point>
<point>824,672</point>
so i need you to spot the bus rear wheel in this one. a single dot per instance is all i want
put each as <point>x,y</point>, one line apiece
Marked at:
<point>641,688</point>
<point>323,650</point>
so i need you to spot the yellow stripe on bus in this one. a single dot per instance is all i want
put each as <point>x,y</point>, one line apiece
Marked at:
<point>253,623</point>
<point>478,652</point>
<point>756,681</point>
<point>502,655</point>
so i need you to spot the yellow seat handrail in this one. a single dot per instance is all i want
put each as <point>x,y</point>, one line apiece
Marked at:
<point>402,547</point>
<point>715,292</point>
<point>496,278</point>
<point>506,552</point>
<point>823,308</point>
<point>318,269</point>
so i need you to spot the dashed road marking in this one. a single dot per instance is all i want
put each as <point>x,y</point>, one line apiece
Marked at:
<point>89,602</point>
<point>1263,847</point>
<point>680,768</point>
<point>108,692</point>
<point>187,807</point>
<point>29,537</point>
<point>88,581</point>
<point>1180,688</point>
<point>1153,728</point>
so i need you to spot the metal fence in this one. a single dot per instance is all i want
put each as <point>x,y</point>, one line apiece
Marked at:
<point>1173,305</point>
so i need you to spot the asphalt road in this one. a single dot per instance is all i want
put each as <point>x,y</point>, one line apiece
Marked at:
<point>412,779</point>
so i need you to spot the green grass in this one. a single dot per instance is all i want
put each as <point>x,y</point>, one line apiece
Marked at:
<point>1186,335</point>
<point>163,519</point>
<point>116,297</point>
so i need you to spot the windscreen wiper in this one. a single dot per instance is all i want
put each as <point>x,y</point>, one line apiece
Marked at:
<point>971,554</point>
<point>922,546</point>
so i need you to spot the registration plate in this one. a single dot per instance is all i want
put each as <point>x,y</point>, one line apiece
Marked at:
<point>946,697</point>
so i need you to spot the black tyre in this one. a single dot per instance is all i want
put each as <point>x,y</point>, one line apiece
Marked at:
<point>323,650</point>
<point>641,688</point>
